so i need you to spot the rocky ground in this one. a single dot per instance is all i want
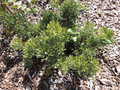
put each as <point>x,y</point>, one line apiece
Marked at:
<point>13,75</point>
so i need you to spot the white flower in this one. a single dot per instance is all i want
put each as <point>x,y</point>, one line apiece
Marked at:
<point>74,38</point>
<point>70,30</point>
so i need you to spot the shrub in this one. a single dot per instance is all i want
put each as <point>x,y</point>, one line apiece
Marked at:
<point>106,35</point>
<point>52,43</point>
<point>66,15</point>
<point>84,65</point>
<point>55,3</point>
<point>88,36</point>
<point>7,19</point>
<point>51,47</point>
<point>56,42</point>
<point>17,23</point>
<point>48,16</point>
<point>69,12</point>
<point>17,43</point>
<point>29,51</point>
<point>81,47</point>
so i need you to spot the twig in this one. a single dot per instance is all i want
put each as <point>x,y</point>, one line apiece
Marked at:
<point>6,7</point>
<point>29,76</point>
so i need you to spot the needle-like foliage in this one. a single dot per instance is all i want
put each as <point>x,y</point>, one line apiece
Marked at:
<point>55,41</point>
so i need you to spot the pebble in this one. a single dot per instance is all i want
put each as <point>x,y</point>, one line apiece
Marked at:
<point>97,87</point>
<point>60,80</point>
<point>106,82</point>
<point>28,88</point>
<point>60,73</point>
<point>90,84</point>
<point>118,69</point>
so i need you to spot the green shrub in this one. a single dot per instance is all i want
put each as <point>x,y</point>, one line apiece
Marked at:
<point>55,3</point>
<point>84,65</point>
<point>17,23</point>
<point>66,15</point>
<point>92,37</point>
<point>106,35</point>
<point>69,12</point>
<point>49,46</point>
<point>17,43</point>
<point>56,42</point>
<point>29,51</point>
<point>88,36</point>
<point>81,47</point>
<point>48,16</point>
<point>64,49</point>
<point>7,19</point>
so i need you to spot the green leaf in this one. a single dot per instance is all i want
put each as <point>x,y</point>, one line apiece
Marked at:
<point>106,41</point>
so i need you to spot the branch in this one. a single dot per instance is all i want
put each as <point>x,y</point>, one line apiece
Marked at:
<point>7,8</point>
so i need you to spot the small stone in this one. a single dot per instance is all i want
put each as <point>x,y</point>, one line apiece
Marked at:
<point>1,39</point>
<point>91,85</point>
<point>1,57</point>
<point>60,80</point>
<point>60,73</point>
<point>27,88</point>
<point>117,52</point>
<point>106,82</point>
<point>118,69</point>
<point>118,38</point>
<point>41,73</point>
<point>97,87</point>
